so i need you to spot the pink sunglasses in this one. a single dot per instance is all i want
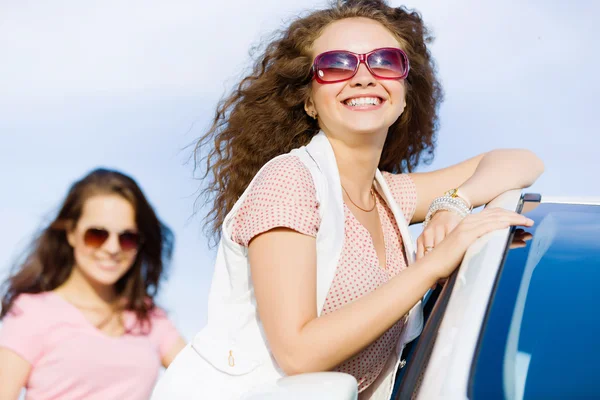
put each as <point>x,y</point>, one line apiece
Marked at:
<point>341,65</point>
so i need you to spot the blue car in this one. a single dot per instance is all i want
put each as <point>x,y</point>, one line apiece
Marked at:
<point>517,321</point>
<point>520,318</point>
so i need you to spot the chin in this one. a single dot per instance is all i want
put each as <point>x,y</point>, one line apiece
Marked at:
<point>365,124</point>
<point>365,128</point>
<point>106,279</point>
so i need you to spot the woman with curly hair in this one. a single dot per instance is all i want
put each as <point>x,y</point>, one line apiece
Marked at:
<point>313,194</point>
<point>78,316</point>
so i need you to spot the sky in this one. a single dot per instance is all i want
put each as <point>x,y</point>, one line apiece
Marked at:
<point>130,85</point>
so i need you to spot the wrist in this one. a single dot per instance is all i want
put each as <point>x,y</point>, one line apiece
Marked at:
<point>460,193</point>
<point>427,269</point>
<point>447,202</point>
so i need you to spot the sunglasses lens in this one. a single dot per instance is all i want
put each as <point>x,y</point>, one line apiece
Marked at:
<point>94,237</point>
<point>388,63</point>
<point>335,66</point>
<point>129,241</point>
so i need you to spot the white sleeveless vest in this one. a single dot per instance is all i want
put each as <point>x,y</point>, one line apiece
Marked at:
<point>233,341</point>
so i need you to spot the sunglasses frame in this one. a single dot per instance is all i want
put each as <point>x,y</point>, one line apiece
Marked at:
<point>362,58</point>
<point>140,240</point>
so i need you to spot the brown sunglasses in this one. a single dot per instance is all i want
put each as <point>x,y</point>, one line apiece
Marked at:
<point>96,237</point>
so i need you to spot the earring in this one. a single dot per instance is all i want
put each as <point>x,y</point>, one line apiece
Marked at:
<point>313,115</point>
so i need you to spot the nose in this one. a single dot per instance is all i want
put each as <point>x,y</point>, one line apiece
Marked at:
<point>112,245</point>
<point>363,77</point>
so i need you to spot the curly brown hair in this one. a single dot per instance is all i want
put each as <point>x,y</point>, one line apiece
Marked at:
<point>265,117</point>
<point>49,261</point>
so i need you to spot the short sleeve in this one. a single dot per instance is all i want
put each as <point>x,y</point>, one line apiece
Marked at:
<point>282,195</point>
<point>404,190</point>
<point>163,334</point>
<point>22,329</point>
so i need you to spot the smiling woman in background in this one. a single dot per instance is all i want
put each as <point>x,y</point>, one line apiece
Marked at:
<point>78,317</point>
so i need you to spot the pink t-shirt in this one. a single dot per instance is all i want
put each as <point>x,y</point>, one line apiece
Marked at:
<point>284,195</point>
<point>71,359</point>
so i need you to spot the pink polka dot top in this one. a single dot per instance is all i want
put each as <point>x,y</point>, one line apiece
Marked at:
<point>283,195</point>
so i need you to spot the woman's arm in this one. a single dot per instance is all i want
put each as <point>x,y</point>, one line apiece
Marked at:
<point>480,179</point>
<point>14,372</point>
<point>168,358</point>
<point>283,269</point>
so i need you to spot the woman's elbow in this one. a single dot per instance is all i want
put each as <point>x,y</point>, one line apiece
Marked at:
<point>534,159</point>
<point>535,166</point>
<point>292,368</point>
<point>527,166</point>
<point>293,365</point>
<point>293,361</point>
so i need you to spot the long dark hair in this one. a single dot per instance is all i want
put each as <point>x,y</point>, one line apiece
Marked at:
<point>49,260</point>
<point>265,116</point>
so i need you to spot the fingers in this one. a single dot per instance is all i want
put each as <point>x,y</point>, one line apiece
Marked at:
<point>440,225</point>
<point>425,243</point>
<point>515,217</point>
<point>420,248</point>
<point>428,240</point>
<point>470,228</point>
<point>500,214</point>
<point>439,234</point>
<point>499,221</point>
<point>477,225</point>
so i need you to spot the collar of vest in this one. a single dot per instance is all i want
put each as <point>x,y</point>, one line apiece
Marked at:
<point>321,151</point>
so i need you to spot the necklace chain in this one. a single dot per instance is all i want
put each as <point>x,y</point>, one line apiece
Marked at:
<point>356,205</point>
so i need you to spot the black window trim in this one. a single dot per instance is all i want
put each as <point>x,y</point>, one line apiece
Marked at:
<point>418,350</point>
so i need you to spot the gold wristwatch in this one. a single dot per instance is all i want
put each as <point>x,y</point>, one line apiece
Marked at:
<point>456,193</point>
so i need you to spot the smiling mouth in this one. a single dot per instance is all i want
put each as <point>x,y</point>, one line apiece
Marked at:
<point>362,102</point>
<point>108,267</point>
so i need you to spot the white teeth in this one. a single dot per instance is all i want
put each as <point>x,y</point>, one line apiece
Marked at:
<point>363,101</point>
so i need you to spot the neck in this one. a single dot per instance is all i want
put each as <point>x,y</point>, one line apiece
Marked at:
<point>357,157</point>
<point>84,291</point>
